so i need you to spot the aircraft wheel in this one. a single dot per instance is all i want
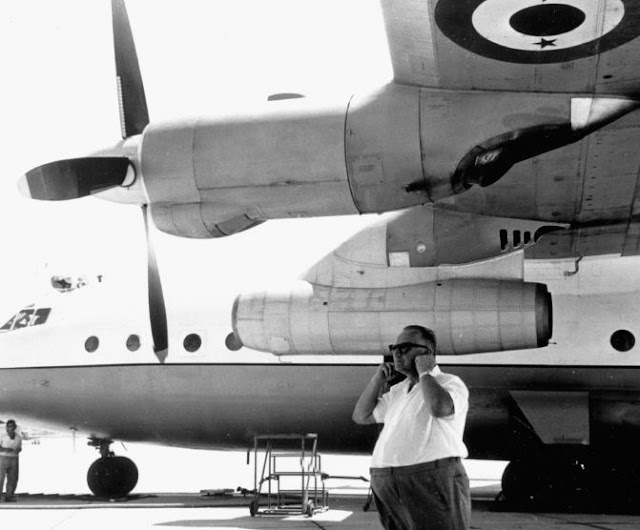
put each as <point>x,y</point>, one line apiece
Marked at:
<point>112,476</point>
<point>618,483</point>
<point>570,481</point>
<point>309,508</point>
<point>520,482</point>
<point>554,478</point>
<point>253,507</point>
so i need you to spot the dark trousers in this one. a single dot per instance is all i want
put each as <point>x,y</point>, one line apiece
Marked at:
<point>430,496</point>
<point>9,469</point>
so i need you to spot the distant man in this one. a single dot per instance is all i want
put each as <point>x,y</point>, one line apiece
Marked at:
<point>417,479</point>
<point>10,447</point>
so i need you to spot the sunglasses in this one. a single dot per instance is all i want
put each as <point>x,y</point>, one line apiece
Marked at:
<point>405,347</point>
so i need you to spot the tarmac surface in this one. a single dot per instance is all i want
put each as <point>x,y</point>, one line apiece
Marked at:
<point>52,494</point>
<point>191,510</point>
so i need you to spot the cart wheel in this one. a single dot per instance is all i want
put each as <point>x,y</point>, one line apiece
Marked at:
<point>253,507</point>
<point>309,508</point>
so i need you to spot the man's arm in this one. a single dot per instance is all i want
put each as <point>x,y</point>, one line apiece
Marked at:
<point>438,398</point>
<point>363,411</point>
<point>434,393</point>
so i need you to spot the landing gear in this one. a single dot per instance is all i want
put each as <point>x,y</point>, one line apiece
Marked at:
<point>111,476</point>
<point>570,478</point>
<point>619,483</point>
<point>553,477</point>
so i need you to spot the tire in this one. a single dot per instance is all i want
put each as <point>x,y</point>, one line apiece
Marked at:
<point>112,477</point>
<point>309,508</point>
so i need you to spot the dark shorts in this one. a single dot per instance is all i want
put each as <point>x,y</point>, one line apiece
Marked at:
<point>433,495</point>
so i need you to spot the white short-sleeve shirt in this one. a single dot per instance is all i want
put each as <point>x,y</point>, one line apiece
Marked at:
<point>411,434</point>
<point>6,442</point>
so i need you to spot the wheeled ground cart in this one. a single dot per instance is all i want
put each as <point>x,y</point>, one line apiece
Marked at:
<point>291,480</point>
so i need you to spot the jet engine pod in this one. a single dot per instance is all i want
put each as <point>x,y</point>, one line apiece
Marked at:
<point>467,315</point>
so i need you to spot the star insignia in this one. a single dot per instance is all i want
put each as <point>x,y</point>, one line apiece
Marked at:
<point>544,43</point>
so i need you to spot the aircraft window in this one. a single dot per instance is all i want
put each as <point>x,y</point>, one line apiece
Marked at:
<point>133,343</point>
<point>23,318</point>
<point>527,238</point>
<point>623,340</point>
<point>91,344</point>
<point>27,317</point>
<point>192,342</point>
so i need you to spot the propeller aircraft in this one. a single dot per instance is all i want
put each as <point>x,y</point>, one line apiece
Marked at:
<point>502,158</point>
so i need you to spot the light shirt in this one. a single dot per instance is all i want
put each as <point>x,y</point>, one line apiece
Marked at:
<point>411,434</point>
<point>7,443</point>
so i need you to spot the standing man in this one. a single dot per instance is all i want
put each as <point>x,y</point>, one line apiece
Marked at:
<point>10,447</point>
<point>417,479</point>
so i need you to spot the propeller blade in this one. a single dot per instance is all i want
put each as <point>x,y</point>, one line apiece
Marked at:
<point>75,177</point>
<point>134,116</point>
<point>157,310</point>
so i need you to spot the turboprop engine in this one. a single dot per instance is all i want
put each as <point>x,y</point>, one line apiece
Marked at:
<point>467,315</point>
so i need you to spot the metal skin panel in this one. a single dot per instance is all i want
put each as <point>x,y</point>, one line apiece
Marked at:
<point>632,240</point>
<point>383,151</point>
<point>453,123</point>
<point>224,406</point>
<point>166,160</point>
<point>435,236</point>
<point>557,417</point>
<point>474,44</point>
<point>364,321</point>
<point>338,270</point>
<point>590,183</point>
<point>434,243</point>
<point>275,162</point>
<point>288,146</point>
<point>408,146</point>
<point>200,220</point>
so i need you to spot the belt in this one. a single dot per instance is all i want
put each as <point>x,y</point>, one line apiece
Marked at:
<point>414,468</point>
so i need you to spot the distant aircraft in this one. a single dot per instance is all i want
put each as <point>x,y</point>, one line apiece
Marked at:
<point>506,150</point>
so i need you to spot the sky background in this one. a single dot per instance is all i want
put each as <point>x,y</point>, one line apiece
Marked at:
<point>197,58</point>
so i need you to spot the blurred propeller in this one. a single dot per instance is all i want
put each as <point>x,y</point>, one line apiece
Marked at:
<point>134,116</point>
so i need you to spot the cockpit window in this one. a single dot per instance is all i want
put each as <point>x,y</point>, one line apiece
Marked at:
<point>29,316</point>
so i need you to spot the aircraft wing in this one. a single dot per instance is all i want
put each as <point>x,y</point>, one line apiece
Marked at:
<point>581,46</point>
<point>598,196</point>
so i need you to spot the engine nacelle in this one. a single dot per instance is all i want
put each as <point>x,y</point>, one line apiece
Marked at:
<point>394,148</point>
<point>467,315</point>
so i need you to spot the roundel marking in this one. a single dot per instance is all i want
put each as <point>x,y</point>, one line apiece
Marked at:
<point>570,24</point>
<point>547,19</point>
<point>538,31</point>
